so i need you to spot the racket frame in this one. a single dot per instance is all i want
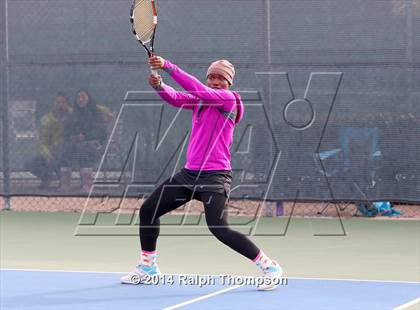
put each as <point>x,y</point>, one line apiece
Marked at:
<point>150,52</point>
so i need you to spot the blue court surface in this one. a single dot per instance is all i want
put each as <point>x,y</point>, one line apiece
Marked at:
<point>29,289</point>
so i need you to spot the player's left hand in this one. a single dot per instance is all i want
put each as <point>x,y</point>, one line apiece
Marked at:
<point>155,81</point>
<point>156,62</point>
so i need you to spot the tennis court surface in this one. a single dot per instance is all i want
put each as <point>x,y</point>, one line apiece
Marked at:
<point>27,289</point>
<point>51,268</point>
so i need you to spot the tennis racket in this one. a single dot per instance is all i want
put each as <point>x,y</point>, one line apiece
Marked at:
<point>143,17</point>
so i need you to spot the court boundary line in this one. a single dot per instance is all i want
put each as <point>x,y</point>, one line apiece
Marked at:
<point>408,304</point>
<point>194,300</point>
<point>192,274</point>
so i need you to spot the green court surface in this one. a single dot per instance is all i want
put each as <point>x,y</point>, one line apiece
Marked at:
<point>371,249</point>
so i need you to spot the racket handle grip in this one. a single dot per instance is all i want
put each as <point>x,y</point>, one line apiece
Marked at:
<point>154,72</point>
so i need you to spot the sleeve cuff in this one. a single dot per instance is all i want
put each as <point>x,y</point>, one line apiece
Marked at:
<point>158,87</point>
<point>168,67</point>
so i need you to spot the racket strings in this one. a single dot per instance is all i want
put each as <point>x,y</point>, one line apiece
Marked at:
<point>143,20</point>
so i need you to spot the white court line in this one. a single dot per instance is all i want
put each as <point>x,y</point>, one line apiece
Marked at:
<point>408,304</point>
<point>202,297</point>
<point>58,270</point>
<point>355,280</point>
<point>193,274</point>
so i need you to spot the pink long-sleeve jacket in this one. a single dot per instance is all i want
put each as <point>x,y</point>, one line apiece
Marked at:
<point>215,112</point>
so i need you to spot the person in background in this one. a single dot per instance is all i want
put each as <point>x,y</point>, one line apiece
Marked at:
<point>51,157</point>
<point>86,134</point>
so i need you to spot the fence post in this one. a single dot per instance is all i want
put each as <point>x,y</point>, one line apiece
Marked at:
<point>4,106</point>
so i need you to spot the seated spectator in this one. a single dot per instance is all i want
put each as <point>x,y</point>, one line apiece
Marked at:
<point>86,135</point>
<point>51,157</point>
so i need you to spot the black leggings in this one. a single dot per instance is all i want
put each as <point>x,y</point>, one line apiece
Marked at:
<point>169,196</point>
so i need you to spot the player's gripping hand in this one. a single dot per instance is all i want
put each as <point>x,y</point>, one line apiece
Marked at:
<point>155,81</point>
<point>156,62</point>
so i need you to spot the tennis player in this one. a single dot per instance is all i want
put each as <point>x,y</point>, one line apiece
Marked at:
<point>207,174</point>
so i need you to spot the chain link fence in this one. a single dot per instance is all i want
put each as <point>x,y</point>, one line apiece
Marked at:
<point>331,92</point>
